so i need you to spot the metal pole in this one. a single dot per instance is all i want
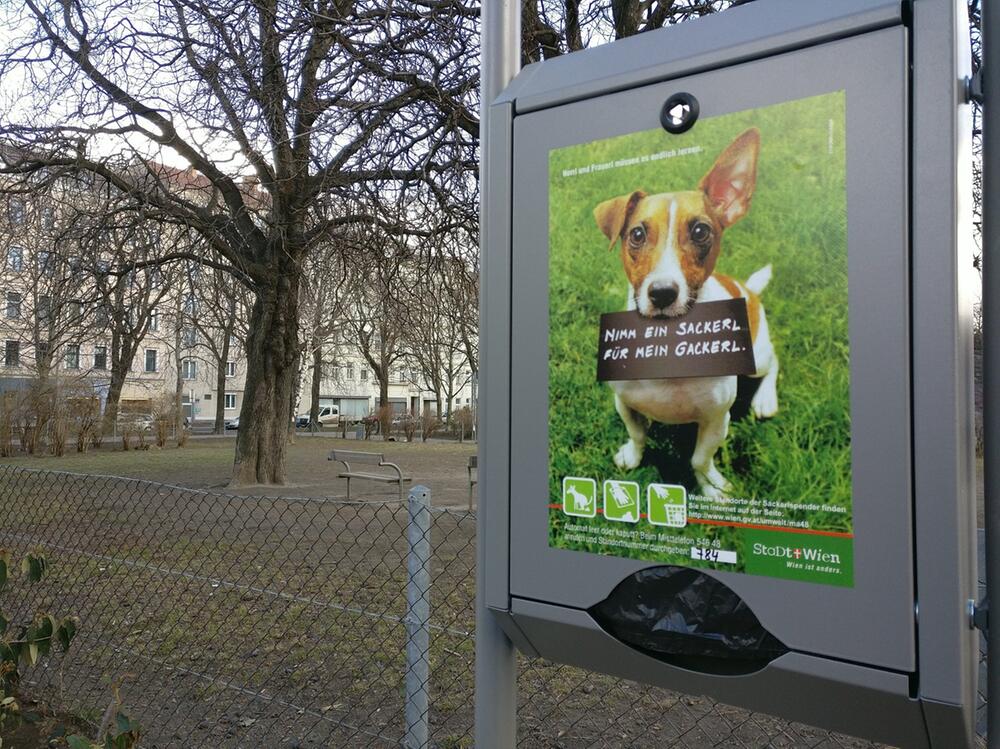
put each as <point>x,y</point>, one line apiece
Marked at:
<point>496,662</point>
<point>418,619</point>
<point>991,350</point>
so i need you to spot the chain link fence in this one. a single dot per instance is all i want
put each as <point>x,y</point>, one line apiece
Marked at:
<point>246,621</point>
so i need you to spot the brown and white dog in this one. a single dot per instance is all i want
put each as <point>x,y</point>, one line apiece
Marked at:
<point>670,243</point>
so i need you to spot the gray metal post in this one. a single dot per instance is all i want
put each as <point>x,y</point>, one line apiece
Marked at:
<point>418,619</point>
<point>496,662</point>
<point>991,349</point>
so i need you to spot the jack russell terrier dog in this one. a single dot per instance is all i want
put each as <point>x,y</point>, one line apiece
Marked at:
<point>670,244</point>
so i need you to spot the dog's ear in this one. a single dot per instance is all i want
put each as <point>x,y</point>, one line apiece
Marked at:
<point>730,182</point>
<point>611,215</point>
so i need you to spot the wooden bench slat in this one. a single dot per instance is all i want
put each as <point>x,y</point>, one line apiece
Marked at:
<point>357,457</point>
<point>373,477</point>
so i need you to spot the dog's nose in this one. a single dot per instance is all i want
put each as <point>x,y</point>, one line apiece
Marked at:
<point>663,295</point>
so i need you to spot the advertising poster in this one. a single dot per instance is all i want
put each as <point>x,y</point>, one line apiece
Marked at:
<point>699,360</point>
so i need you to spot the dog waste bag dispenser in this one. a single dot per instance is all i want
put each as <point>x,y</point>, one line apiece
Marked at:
<point>727,422</point>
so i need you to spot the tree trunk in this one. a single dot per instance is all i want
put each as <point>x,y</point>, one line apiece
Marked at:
<point>220,385</point>
<point>179,399</point>
<point>220,401</point>
<point>271,373</point>
<point>293,396</point>
<point>383,389</point>
<point>114,395</point>
<point>317,375</point>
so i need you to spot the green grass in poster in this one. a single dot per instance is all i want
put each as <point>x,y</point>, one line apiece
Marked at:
<point>798,224</point>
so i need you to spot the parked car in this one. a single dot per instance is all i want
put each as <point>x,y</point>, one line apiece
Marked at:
<point>233,423</point>
<point>141,422</point>
<point>328,416</point>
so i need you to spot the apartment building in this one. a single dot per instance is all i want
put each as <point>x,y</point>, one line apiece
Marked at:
<point>64,313</point>
<point>351,385</point>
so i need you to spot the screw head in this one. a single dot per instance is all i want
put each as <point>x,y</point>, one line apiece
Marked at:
<point>679,113</point>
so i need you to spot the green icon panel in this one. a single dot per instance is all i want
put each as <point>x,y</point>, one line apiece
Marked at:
<point>579,497</point>
<point>667,505</point>
<point>622,501</point>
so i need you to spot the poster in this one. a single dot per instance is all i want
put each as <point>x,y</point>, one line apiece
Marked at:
<point>699,359</point>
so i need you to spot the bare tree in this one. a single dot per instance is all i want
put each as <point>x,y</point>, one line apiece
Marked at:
<point>324,305</point>
<point>379,290</point>
<point>219,327</point>
<point>128,300</point>
<point>313,99</point>
<point>441,328</point>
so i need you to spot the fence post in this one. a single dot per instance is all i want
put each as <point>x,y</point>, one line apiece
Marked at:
<point>418,617</point>
<point>496,659</point>
<point>990,28</point>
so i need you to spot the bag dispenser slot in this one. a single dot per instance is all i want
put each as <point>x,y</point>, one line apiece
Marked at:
<point>687,619</point>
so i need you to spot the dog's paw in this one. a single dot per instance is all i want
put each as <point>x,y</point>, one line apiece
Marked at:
<point>710,491</point>
<point>714,485</point>
<point>765,403</point>
<point>628,456</point>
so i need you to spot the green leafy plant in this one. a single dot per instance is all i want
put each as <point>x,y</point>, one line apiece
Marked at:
<point>26,643</point>
<point>118,731</point>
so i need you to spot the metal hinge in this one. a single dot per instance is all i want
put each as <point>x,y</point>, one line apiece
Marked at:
<point>973,87</point>
<point>979,615</point>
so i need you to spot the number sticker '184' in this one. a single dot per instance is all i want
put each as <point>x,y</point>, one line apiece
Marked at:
<point>705,554</point>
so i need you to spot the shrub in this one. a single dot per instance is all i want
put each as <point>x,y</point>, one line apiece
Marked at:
<point>409,424</point>
<point>164,419</point>
<point>58,430</point>
<point>465,420</point>
<point>384,415</point>
<point>429,424</point>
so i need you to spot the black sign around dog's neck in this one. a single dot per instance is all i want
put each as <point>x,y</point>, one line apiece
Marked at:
<point>711,340</point>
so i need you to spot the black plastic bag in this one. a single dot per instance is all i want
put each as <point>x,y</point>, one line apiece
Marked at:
<point>683,616</point>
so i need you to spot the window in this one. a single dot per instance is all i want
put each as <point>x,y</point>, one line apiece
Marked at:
<point>44,309</point>
<point>230,369</point>
<point>230,401</point>
<point>15,258</point>
<point>101,316</point>
<point>189,337</point>
<point>207,397</point>
<point>189,369</point>
<point>71,358</point>
<point>154,320</point>
<point>13,305</point>
<point>12,354</point>
<point>151,360</point>
<point>76,311</point>
<point>16,210</point>
<point>364,375</point>
<point>46,262</point>
<point>43,351</point>
<point>48,218</point>
<point>100,357</point>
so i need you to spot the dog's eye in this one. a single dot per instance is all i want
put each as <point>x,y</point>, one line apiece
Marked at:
<point>637,236</point>
<point>701,233</point>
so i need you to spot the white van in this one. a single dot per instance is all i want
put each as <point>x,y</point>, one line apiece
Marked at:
<point>328,416</point>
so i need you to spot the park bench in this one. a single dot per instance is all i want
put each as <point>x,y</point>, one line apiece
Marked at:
<point>473,480</point>
<point>377,460</point>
